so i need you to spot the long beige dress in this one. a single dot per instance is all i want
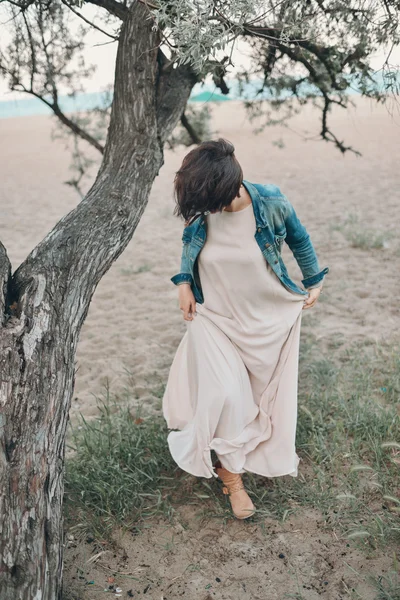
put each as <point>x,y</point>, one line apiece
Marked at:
<point>232,385</point>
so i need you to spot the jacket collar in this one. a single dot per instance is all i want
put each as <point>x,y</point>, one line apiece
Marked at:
<point>256,200</point>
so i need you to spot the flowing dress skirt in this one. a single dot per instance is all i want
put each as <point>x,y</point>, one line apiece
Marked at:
<point>232,385</point>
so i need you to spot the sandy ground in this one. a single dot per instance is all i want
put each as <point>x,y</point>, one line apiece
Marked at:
<point>203,559</point>
<point>134,324</point>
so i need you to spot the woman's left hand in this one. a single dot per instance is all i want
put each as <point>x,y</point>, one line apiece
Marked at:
<point>313,296</point>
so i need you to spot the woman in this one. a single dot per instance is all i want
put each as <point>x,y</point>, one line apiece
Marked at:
<point>232,386</point>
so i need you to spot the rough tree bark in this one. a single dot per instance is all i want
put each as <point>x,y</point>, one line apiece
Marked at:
<point>44,304</point>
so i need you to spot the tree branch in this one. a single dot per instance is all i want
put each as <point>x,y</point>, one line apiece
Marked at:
<point>84,135</point>
<point>113,7</point>
<point>54,106</point>
<point>172,84</point>
<point>295,53</point>
<point>83,245</point>
<point>327,134</point>
<point>322,53</point>
<point>78,14</point>
<point>191,131</point>
<point>44,65</point>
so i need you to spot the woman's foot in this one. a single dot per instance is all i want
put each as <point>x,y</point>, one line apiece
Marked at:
<point>241,503</point>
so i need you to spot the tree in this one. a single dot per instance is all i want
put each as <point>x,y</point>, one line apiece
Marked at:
<point>304,50</point>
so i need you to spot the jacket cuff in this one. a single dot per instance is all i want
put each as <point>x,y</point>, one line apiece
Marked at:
<point>182,278</point>
<point>315,278</point>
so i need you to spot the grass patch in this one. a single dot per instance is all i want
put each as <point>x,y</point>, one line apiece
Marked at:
<point>121,472</point>
<point>387,586</point>
<point>361,236</point>
<point>145,268</point>
<point>348,437</point>
<point>348,432</point>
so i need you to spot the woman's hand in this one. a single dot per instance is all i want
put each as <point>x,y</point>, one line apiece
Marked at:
<point>187,302</point>
<point>313,296</point>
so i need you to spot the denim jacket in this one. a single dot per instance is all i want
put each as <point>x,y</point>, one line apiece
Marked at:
<point>276,222</point>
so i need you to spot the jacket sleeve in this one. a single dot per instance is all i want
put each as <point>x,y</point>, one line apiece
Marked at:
<point>184,275</point>
<point>303,250</point>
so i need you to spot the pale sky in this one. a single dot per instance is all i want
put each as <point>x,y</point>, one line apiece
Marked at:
<point>102,53</point>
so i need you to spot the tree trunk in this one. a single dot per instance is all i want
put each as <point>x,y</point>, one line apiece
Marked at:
<point>44,304</point>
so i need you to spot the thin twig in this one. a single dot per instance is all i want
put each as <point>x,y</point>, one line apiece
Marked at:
<point>89,22</point>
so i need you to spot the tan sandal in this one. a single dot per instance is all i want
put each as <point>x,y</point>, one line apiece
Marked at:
<point>242,506</point>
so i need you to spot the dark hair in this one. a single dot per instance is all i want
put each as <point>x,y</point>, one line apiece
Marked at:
<point>209,179</point>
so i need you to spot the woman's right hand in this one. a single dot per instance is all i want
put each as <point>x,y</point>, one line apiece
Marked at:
<point>187,302</point>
